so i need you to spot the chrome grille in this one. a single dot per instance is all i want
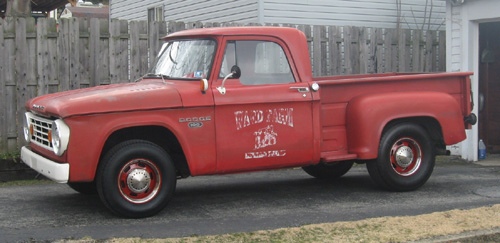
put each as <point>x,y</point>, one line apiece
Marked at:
<point>41,129</point>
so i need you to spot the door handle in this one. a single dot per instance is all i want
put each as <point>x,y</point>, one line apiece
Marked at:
<point>301,89</point>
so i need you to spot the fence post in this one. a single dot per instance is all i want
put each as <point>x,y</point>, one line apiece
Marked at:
<point>103,71</point>
<point>138,49</point>
<point>319,50</point>
<point>429,53</point>
<point>372,48</point>
<point>42,55</point>
<point>379,50</point>
<point>416,54</point>
<point>94,47</point>
<point>404,50</point>
<point>335,39</point>
<point>63,43</point>
<point>83,47</point>
<point>47,56</point>
<point>53,58</point>
<point>364,51</point>
<point>351,50</point>
<point>74,53</point>
<point>10,84</point>
<point>118,51</point>
<point>391,50</point>
<point>3,108</point>
<point>24,65</point>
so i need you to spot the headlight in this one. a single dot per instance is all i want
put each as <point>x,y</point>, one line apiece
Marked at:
<point>59,136</point>
<point>27,127</point>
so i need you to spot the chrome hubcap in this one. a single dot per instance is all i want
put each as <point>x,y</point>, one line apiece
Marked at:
<point>138,180</point>
<point>404,156</point>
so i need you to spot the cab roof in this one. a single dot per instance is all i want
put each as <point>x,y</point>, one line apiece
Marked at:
<point>232,31</point>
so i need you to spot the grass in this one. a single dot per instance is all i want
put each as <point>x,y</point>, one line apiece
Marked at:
<point>11,155</point>
<point>385,229</point>
<point>25,183</point>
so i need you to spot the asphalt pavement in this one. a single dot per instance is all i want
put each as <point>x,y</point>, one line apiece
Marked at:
<point>245,202</point>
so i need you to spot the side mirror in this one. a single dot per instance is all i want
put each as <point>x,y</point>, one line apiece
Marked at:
<point>235,73</point>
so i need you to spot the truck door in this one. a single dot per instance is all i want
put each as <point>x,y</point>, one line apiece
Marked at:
<point>264,118</point>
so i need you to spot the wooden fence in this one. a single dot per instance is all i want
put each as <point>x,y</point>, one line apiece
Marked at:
<point>42,57</point>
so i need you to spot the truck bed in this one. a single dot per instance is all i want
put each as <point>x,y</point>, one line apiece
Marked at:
<point>337,91</point>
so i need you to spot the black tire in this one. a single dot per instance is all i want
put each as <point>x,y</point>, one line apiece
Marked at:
<point>87,188</point>
<point>328,171</point>
<point>136,179</point>
<point>405,158</point>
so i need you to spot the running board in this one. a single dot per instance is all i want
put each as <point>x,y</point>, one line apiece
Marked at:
<point>336,156</point>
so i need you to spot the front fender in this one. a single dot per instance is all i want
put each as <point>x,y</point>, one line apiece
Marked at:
<point>90,133</point>
<point>367,115</point>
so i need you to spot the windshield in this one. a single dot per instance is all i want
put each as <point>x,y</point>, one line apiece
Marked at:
<point>185,59</point>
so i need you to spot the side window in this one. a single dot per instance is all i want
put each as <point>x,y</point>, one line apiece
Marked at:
<point>261,62</point>
<point>229,59</point>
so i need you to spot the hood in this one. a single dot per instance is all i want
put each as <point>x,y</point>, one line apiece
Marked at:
<point>145,95</point>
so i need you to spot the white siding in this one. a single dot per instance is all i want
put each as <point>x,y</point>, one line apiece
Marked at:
<point>368,13</point>
<point>189,10</point>
<point>243,11</point>
<point>132,9</point>
<point>455,50</point>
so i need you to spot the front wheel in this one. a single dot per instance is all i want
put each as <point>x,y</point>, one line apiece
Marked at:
<point>405,158</point>
<point>136,179</point>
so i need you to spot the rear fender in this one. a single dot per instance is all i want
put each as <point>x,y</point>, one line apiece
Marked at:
<point>367,116</point>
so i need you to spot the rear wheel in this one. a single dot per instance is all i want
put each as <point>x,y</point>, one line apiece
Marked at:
<point>136,179</point>
<point>405,158</point>
<point>328,171</point>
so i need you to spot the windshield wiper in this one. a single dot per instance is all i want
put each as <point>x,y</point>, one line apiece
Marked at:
<point>153,75</point>
<point>156,75</point>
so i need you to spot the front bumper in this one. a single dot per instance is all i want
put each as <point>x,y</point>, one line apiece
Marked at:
<point>55,171</point>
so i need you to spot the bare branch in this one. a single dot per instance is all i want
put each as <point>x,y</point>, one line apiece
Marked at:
<point>430,15</point>
<point>425,14</point>
<point>414,18</point>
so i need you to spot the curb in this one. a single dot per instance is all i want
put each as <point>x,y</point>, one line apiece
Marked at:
<point>460,237</point>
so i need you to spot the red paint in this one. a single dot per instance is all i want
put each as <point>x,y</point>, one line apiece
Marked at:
<point>257,127</point>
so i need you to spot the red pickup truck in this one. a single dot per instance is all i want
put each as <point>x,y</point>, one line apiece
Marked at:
<point>241,99</point>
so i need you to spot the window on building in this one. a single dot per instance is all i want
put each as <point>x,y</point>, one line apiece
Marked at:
<point>155,14</point>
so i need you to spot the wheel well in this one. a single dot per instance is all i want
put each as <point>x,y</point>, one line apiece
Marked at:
<point>155,134</point>
<point>430,124</point>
